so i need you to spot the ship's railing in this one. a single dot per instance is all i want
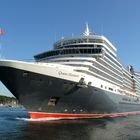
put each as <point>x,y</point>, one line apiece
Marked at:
<point>81,41</point>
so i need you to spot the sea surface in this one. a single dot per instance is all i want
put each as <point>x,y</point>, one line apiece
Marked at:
<point>16,125</point>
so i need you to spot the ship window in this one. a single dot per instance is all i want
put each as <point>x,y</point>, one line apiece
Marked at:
<point>81,51</point>
<point>89,50</point>
<point>72,50</point>
<point>110,89</point>
<point>101,86</point>
<point>85,50</point>
<point>67,51</point>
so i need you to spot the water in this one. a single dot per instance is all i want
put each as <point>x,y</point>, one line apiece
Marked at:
<point>15,125</point>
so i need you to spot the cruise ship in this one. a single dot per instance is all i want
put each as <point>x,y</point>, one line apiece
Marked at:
<point>80,77</point>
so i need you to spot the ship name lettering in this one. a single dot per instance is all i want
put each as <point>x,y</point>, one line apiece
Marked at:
<point>67,74</point>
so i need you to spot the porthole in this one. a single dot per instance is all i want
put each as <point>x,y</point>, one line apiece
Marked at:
<point>74,110</point>
<point>65,110</point>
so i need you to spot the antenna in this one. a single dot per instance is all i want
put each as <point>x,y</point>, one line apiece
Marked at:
<point>87,31</point>
<point>62,37</point>
<point>72,35</point>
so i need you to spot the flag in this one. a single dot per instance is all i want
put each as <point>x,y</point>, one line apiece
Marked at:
<point>1,32</point>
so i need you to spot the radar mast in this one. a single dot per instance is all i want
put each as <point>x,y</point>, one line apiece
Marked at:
<point>87,31</point>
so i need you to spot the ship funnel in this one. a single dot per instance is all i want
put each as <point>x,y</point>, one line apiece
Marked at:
<point>131,69</point>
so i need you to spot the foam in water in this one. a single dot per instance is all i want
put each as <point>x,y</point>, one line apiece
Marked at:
<point>42,119</point>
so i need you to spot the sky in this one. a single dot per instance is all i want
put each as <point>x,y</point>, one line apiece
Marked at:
<point>32,26</point>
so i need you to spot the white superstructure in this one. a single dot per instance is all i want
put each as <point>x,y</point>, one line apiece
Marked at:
<point>96,58</point>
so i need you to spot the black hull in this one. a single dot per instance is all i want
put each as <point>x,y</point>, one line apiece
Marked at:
<point>41,93</point>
